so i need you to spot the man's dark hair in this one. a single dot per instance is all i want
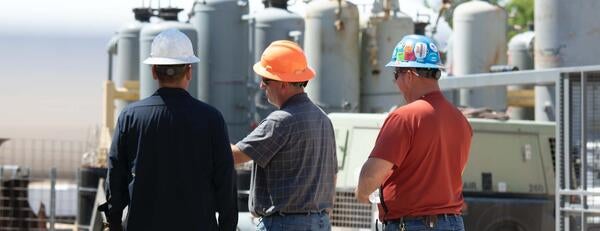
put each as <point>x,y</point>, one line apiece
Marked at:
<point>171,73</point>
<point>299,84</point>
<point>432,73</point>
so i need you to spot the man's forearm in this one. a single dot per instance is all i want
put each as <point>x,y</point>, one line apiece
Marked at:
<point>372,175</point>
<point>366,186</point>
<point>239,157</point>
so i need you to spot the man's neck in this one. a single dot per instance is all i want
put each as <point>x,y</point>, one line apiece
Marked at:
<point>172,85</point>
<point>289,96</point>
<point>422,91</point>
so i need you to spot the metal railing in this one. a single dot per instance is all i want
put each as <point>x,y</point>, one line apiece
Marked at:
<point>32,203</point>
<point>38,183</point>
<point>40,155</point>
<point>576,109</point>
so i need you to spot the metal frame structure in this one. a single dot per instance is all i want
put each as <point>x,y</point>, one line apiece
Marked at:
<point>577,205</point>
<point>530,77</point>
<point>577,130</point>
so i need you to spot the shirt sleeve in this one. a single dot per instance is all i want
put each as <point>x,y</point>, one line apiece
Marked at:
<point>265,141</point>
<point>394,140</point>
<point>117,181</point>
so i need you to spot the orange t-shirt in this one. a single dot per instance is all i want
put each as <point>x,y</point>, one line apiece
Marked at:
<point>428,142</point>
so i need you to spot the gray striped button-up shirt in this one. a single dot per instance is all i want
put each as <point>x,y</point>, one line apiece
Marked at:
<point>294,160</point>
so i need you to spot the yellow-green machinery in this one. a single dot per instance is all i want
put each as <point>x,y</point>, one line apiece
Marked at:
<point>508,183</point>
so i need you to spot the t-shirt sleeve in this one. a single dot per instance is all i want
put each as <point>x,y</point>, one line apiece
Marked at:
<point>265,141</point>
<point>394,140</point>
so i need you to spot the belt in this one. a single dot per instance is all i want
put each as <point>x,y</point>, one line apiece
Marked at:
<point>424,217</point>
<point>295,213</point>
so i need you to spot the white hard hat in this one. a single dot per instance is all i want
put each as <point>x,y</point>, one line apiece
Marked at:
<point>171,47</point>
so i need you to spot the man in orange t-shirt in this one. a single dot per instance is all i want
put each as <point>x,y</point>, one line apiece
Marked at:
<point>421,150</point>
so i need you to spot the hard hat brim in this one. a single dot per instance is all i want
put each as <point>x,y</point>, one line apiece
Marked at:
<point>171,61</point>
<point>305,75</point>
<point>414,64</point>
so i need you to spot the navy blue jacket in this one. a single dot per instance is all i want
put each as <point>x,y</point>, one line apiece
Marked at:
<point>171,162</point>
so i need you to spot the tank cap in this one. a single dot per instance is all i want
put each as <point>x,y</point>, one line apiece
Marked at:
<point>169,14</point>
<point>282,4</point>
<point>142,14</point>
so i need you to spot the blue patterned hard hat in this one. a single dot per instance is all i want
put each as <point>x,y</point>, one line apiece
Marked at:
<point>416,51</point>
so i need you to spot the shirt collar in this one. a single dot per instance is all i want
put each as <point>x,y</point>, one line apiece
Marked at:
<point>296,99</point>
<point>431,94</point>
<point>171,91</point>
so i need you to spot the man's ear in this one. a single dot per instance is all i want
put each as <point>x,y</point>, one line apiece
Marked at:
<point>188,72</point>
<point>412,76</point>
<point>154,76</point>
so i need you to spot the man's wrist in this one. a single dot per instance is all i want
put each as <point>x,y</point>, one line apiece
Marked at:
<point>361,197</point>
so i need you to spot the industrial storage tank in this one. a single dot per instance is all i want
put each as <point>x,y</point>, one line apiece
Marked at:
<point>223,50</point>
<point>520,55</point>
<point>479,42</point>
<point>383,31</point>
<point>520,50</point>
<point>127,62</point>
<point>274,22</point>
<point>169,21</point>
<point>566,35</point>
<point>332,48</point>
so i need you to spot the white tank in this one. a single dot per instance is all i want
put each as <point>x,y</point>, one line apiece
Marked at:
<point>148,85</point>
<point>377,91</point>
<point>222,44</point>
<point>332,48</point>
<point>453,94</point>
<point>275,23</point>
<point>567,33</point>
<point>128,52</point>
<point>520,55</point>
<point>520,50</point>
<point>479,42</point>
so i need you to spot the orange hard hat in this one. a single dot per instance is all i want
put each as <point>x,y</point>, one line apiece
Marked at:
<point>284,61</point>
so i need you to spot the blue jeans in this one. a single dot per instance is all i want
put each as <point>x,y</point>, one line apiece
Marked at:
<point>295,222</point>
<point>444,223</point>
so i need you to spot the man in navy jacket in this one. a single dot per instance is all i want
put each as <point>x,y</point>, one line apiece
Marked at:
<point>170,159</point>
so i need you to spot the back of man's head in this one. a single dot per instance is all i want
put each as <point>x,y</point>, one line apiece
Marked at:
<point>171,55</point>
<point>429,73</point>
<point>171,73</point>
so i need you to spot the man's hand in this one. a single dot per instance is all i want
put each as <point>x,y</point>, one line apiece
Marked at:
<point>239,157</point>
<point>362,198</point>
<point>372,175</point>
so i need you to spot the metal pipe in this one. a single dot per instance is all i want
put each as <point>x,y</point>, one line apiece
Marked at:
<point>558,155</point>
<point>110,67</point>
<point>111,49</point>
<point>567,128</point>
<point>583,149</point>
<point>52,198</point>
<point>251,81</point>
<point>77,199</point>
